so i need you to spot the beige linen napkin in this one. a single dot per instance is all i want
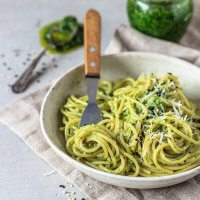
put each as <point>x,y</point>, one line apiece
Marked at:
<point>24,121</point>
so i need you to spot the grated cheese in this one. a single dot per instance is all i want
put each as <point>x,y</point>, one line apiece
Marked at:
<point>155,113</point>
<point>161,137</point>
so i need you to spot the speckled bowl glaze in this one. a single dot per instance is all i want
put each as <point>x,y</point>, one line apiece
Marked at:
<point>115,67</point>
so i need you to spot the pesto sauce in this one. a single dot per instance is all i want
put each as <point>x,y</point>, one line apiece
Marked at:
<point>64,41</point>
<point>165,19</point>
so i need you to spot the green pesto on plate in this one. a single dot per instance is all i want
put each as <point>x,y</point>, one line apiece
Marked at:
<point>164,19</point>
<point>62,36</point>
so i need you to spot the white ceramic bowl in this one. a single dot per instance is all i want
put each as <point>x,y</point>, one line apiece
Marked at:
<point>115,67</point>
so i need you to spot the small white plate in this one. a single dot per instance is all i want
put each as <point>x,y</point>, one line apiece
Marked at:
<point>130,64</point>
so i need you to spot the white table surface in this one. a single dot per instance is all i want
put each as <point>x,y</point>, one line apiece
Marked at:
<point>21,170</point>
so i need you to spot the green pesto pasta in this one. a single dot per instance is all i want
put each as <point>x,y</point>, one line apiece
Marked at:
<point>149,128</point>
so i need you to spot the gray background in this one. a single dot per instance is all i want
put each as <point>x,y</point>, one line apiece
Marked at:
<point>21,170</point>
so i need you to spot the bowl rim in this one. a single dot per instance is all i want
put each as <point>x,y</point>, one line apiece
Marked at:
<point>76,163</point>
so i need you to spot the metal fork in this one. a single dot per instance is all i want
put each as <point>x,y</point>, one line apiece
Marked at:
<point>92,37</point>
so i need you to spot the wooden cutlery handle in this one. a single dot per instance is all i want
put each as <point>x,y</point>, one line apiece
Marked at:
<point>92,40</point>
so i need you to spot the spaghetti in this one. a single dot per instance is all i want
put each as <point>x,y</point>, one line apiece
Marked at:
<point>149,128</point>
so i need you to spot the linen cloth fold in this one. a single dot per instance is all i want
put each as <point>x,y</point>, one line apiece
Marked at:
<point>24,121</point>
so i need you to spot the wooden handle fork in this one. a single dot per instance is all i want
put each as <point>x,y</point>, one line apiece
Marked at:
<point>92,39</point>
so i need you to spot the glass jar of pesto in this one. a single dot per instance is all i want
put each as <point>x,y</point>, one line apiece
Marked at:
<point>165,19</point>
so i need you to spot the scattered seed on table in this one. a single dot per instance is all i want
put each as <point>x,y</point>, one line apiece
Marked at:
<point>9,68</point>
<point>24,63</point>
<point>38,81</point>
<point>28,59</point>
<point>68,195</point>
<point>38,23</point>
<point>38,73</point>
<point>4,63</point>
<point>53,59</point>
<point>44,68</point>
<point>55,65</point>
<point>2,55</point>
<point>29,54</point>
<point>17,52</point>
<point>43,63</point>
<point>16,75</point>
<point>61,186</point>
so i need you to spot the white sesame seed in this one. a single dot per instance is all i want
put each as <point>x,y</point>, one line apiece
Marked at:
<point>50,173</point>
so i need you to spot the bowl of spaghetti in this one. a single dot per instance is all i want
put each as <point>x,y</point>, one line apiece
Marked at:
<point>150,133</point>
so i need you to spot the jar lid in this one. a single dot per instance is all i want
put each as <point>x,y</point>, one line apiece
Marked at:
<point>161,1</point>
